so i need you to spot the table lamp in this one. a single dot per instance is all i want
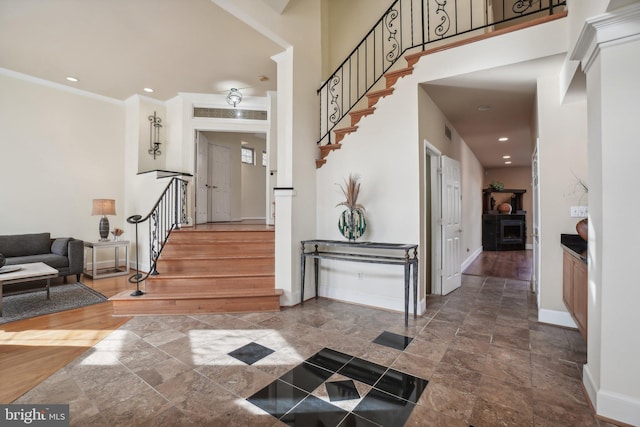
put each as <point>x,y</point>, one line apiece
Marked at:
<point>104,207</point>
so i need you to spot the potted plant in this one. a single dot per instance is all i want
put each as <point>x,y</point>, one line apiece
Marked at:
<point>352,223</point>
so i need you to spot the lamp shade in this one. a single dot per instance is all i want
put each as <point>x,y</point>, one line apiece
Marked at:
<point>104,207</point>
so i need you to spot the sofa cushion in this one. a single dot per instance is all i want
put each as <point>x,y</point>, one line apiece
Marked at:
<point>52,260</point>
<point>60,246</point>
<point>25,244</point>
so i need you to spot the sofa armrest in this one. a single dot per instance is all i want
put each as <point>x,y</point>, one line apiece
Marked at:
<point>76,256</point>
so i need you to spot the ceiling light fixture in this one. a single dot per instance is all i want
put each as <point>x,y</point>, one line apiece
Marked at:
<point>148,90</point>
<point>72,79</point>
<point>507,163</point>
<point>234,97</point>
<point>506,157</point>
<point>484,107</point>
<point>503,139</point>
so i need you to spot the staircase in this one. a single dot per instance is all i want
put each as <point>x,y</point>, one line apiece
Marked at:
<point>353,90</point>
<point>210,269</point>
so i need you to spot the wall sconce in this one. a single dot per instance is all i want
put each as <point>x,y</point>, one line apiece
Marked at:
<point>104,207</point>
<point>155,123</point>
<point>234,97</point>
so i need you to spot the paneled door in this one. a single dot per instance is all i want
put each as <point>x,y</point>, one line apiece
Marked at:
<point>220,182</point>
<point>535,185</point>
<point>451,224</point>
<point>202,179</point>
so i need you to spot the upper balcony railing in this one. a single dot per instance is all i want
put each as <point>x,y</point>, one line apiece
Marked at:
<point>413,24</point>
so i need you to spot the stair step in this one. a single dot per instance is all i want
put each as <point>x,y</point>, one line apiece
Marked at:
<point>216,249</point>
<point>375,96</point>
<point>212,236</point>
<point>224,266</point>
<point>326,149</point>
<point>359,114</point>
<point>392,76</point>
<point>340,133</point>
<point>320,162</point>
<point>220,302</point>
<point>175,283</point>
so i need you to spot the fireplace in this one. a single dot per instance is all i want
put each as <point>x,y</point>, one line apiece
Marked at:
<point>503,232</point>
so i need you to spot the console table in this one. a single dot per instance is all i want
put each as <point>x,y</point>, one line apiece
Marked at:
<point>369,252</point>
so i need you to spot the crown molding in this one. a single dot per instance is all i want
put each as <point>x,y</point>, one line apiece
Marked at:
<point>611,28</point>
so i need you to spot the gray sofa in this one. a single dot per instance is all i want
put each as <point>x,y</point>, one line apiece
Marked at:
<point>65,254</point>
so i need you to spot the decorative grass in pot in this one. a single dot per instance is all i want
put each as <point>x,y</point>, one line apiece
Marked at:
<point>352,223</point>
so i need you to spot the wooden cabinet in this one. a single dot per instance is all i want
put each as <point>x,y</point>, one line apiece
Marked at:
<point>574,289</point>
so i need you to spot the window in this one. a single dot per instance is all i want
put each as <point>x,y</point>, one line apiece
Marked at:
<point>246,156</point>
<point>264,158</point>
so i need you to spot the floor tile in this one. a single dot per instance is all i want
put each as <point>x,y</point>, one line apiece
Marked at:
<point>342,390</point>
<point>353,420</point>
<point>402,385</point>
<point>306,376</point>
<point>314,412</point>
<point>393,340</point>
<point>363,370</point>
<point>384,409</point>
<point>251,353</point>
<point>277,398</point>
<point>330,360</point>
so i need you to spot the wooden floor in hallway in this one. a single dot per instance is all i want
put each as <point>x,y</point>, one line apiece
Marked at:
<point>507,264</point>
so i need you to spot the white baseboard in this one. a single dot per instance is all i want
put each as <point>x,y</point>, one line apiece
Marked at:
<point>611,405</point>
<point>467,262</point>
<point>555,317</point>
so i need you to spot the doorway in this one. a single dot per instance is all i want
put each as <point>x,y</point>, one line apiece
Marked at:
<point>231,186</point>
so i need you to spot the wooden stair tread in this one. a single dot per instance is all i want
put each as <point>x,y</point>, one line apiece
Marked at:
<point>392,77</point>
<point>221,294</point>
<point>359,114</point>
<point>374,97</point>
<point>169,276</point>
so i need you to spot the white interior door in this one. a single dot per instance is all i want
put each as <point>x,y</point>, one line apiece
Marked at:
<point>451,225</point>
<point>535,184</point>
<point>202,192</point>
<point>219,184</point>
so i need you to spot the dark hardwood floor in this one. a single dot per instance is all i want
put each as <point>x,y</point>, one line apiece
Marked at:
<point>508,264</point>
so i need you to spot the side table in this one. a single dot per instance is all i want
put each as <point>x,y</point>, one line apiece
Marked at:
<point>117,269</point>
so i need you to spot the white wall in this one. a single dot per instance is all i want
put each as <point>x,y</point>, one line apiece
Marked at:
<point>253,198</point>
<point>562,154</point>
<point>60,149</point>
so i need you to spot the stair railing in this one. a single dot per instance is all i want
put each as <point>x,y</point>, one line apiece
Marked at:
<point>166,215</point>
<point>409,24</point>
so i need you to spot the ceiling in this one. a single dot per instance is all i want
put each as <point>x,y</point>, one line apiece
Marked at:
<point>507,94</point>
<point>116,48</point>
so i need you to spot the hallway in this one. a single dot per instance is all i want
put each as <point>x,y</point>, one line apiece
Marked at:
<point>506,264</point>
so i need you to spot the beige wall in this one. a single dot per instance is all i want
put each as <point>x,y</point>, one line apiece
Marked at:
<point>345,25</point>
<point>254,181</point>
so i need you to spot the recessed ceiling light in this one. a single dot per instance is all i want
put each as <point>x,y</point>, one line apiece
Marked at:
<point>507,162</point>
<point>484,107</point>
<point>503,139</point>
<point>72,79</point>
<point>148,90</point>
<point>506,157</point>
<point>263,78</point>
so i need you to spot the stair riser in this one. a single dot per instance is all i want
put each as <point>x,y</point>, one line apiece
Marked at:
<point>160,285</point>
<point>217,266</point>
<point>217,236</point>
<point>185,250</point>
<point>196,305</point>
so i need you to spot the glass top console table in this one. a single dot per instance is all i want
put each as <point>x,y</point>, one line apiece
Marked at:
<point>368,252</point>
<point>117,269</point>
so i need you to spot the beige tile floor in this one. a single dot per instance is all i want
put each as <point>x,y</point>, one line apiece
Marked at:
<point>487,359</point>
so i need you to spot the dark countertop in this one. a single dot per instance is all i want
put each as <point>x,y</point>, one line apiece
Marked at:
<point>574,245</point>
